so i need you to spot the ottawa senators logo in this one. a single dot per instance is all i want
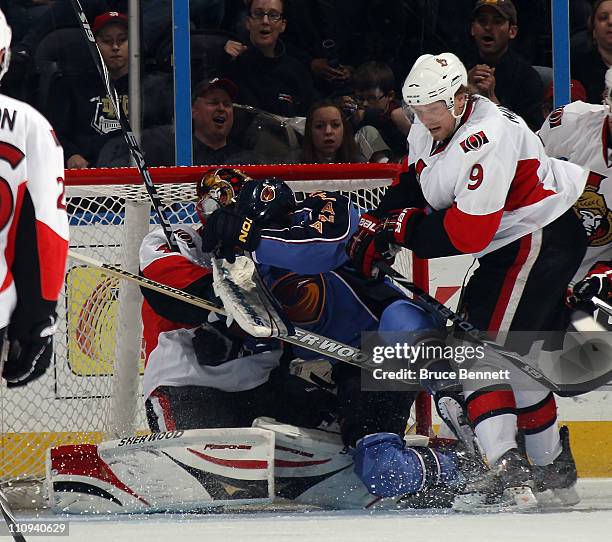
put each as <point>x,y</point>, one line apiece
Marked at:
<point>474,142</point>
<point>554,119</point>
<point>302,297</point>
<point>267,194</point>
<point>596,218</point>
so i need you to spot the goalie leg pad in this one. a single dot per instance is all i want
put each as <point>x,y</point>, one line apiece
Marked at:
<point>173,471</point>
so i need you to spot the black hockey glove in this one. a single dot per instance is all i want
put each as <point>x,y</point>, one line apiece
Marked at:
<point>29,354</point>
<point>596,283</point>
<point>364,248</point>
<point>225,232</point>
<point>214,345</point>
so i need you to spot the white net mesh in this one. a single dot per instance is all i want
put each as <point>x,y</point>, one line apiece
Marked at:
<point>93,390</point>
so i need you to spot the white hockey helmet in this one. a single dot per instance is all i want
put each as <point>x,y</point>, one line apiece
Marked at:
<point>5,44</point>
<point>433,78</point>
<point>607,99</point>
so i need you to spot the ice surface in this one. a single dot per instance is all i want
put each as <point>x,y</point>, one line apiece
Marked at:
<point>591,520</point>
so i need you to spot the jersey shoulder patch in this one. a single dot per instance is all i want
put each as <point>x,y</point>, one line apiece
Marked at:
<point>556,117</point>
<point>474,141</point>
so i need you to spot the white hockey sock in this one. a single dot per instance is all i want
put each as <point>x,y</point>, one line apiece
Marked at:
<point>543,447</point>
<point>537,417</point>
<point>496,435</point>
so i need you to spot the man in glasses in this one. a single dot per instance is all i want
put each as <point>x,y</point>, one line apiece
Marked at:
<point>267,76</point>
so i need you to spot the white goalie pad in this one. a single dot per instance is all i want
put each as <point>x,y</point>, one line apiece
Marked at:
<point>173,471</point>
<point>246,300</point>
<point>313,467</point>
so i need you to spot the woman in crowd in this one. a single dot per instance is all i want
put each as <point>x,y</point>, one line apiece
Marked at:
<point>328,138</point>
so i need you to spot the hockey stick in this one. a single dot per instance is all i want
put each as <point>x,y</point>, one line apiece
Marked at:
<point>476,335</point>
<point>9,518</point>
<point>581,321</point>
<point>601,304</point>
<point>130,139</point>
<point>302,338</point>
<point>7,513</point>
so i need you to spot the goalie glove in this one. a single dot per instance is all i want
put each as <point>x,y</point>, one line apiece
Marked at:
<point>226,231</point>
<point>29,354</point>
<point>596,283</point>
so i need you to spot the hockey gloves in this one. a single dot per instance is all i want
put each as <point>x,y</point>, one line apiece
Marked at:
<point>377,238</point>
<point>596,283</point>
<point>213,344</point>
<point>226,231</point>
<point>361,248</point>
<point>29,354</point>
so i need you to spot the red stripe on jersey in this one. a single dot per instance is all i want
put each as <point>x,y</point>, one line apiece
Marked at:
<point>470,233</point>
<point>153,325</point>
<point>52,251</point>
<point>164,403</point>
<point>526,188</point>
<point>175,270</point>
<point>538,417</point>
<point>507,288</point>
<point>9,251</point>
<point>490,402</point>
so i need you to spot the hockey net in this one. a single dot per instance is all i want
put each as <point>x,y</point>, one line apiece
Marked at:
<point>93,390</point>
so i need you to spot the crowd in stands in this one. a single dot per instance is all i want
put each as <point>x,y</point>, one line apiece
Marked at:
<point>338,63</point>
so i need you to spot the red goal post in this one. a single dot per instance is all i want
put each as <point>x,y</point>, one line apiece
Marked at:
<point>93,391</point>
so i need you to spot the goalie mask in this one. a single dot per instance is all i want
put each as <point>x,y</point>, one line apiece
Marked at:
<point>5,44</point>
<point>267,202</point>
<point>218,188</point>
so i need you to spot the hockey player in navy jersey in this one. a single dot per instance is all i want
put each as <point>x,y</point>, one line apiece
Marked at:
<point>300,251</point>
<point>479,182</point>
<point>33,233</point>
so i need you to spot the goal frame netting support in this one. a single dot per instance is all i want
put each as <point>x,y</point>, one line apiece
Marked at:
<point>116,210</point>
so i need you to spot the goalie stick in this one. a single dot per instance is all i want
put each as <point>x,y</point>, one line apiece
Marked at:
<point>302,338</point>
<point>5,508</point>
<point>581,321</point>
<point>126,129</point>
<point>9,518</point>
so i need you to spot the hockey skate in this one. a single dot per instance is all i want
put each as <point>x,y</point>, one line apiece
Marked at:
<point>508,486</point>
<point>556,482</point>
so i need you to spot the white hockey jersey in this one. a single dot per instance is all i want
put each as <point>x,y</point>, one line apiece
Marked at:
<point>33,220</point>
<point>578,132</point>
<point>493,178</point>
<point>170,356</point>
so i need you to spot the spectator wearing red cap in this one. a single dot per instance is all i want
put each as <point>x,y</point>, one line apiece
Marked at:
<point>495,69</point>
<point>80,109</point>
